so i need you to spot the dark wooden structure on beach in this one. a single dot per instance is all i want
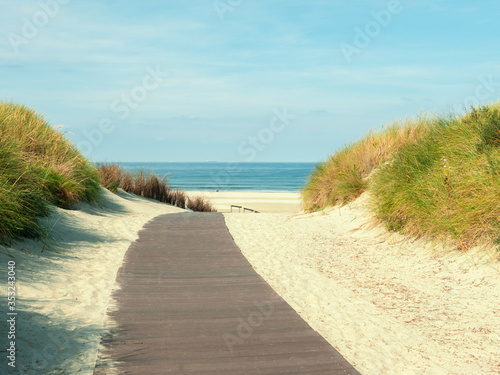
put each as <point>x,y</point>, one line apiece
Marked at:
<point>190,303</point>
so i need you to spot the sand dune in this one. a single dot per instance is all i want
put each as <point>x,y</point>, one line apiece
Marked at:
<point>64,291</point>
<point>390,307</point>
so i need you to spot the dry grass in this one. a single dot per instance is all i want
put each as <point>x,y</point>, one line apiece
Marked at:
<point>437,177</point>
<point>344,176</point>
<point>178,198</point>
<point>149,185</point>
<point>127,183</point>
<point>200,204</point>
<point>110,176</point>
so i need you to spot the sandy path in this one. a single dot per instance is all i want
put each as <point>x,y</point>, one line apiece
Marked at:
<point>64,291</point>
<point>389,307</point>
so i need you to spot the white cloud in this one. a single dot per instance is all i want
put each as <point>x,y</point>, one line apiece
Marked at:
<point>235,72</point>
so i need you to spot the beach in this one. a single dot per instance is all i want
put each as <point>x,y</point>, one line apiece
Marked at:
<point>389,305</point>
<point>64,286</point>
<point>329,168</point>
<point>264,202</point>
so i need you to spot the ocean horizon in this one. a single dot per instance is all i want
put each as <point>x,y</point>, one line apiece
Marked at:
<point>213,176</point>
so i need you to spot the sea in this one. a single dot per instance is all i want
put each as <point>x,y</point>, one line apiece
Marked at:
<point>213,176</point>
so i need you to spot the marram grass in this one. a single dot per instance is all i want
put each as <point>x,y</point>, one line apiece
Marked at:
<point>437,178</point>
<point>446,186</point>
<point>344,176</point>
<point>149,185</point>
<point>22,199</point>
<point>38,166</point>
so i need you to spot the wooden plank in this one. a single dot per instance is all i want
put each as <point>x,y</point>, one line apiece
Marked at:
<point>190,303</point>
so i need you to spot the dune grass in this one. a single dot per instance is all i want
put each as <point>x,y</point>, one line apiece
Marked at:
<point>39,166</point>
<point>200,204</point>
<point>149,185</point>
<point>110,176</point>
<point>437,178</point>
<point>344,176</point>
<point>446,185</point>
<point>22,199</point>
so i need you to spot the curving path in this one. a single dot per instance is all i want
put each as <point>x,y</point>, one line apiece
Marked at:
<point>190,303</point>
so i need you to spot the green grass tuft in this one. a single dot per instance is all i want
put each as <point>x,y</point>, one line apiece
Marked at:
<point>344,176</point>
<point>437,178</point>
<point>22,199</point>
<point>446,186</point>
<point>38,166</point>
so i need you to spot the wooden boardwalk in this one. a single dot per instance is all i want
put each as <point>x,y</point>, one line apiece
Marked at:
<point>190,303</point>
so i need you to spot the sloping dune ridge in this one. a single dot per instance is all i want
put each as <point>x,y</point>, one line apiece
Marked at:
<point>389,305</point>
<point>63,290</point>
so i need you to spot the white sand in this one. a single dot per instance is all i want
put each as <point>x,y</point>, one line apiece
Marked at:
<point>262,202</point>
<point>390,307</point>
<point>63,292</point>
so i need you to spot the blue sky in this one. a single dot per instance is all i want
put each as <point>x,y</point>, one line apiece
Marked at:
<point>242,80</point>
